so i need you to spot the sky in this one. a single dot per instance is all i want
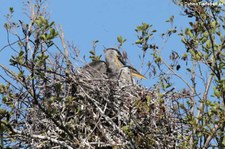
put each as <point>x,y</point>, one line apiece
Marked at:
<point>85,21</point>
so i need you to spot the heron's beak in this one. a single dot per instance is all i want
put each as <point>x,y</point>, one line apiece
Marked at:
<point>137,74</point>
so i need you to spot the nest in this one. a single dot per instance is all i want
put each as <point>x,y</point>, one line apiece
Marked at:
<point>80,111</point>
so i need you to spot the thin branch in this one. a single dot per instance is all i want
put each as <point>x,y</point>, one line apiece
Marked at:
<point>64,144</point>
<point>209,138</point>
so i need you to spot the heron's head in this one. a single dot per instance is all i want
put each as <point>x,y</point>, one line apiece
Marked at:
<point>128,71</point>
<point>113,56</point>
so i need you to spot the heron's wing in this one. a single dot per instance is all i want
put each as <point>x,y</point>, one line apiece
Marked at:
<point>95,69</point>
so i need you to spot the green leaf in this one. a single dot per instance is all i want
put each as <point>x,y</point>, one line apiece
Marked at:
<point>49,37</point>
<point>183,40</point>
<point>7,26</point>
<point>188,69</point>
<point>92,52</point>
<point>145,26</point>
<point>11,10</point>
<point>21,53</point>
<point>43,20</point>
<point>52,31</point>
<point>197,56</point>
<point>223,137</point>
<point>188,32</point>
<point>120,39</point>
<point>192,52</point>
<point>185,56</point>
<point>158,60</point>
<point>213,24</point>
<point>208,44</point>
<point>139,41</point>
<point>52,23</point>
<point>43,37</point>
<point>206,34</point>
<point>217,93</point>
<point>38,22</point>
<point>204,39</point>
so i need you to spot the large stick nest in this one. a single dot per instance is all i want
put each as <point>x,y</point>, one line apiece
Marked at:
<point>79,111</point>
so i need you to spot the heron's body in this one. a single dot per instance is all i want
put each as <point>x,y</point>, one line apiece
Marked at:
<point>96,69</point>
<point>111,66</point>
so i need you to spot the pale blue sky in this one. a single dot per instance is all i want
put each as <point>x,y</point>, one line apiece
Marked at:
<point>87,20</point>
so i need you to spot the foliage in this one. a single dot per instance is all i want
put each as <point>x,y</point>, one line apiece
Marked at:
<point>93,56</point>
<point>202,110</point>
